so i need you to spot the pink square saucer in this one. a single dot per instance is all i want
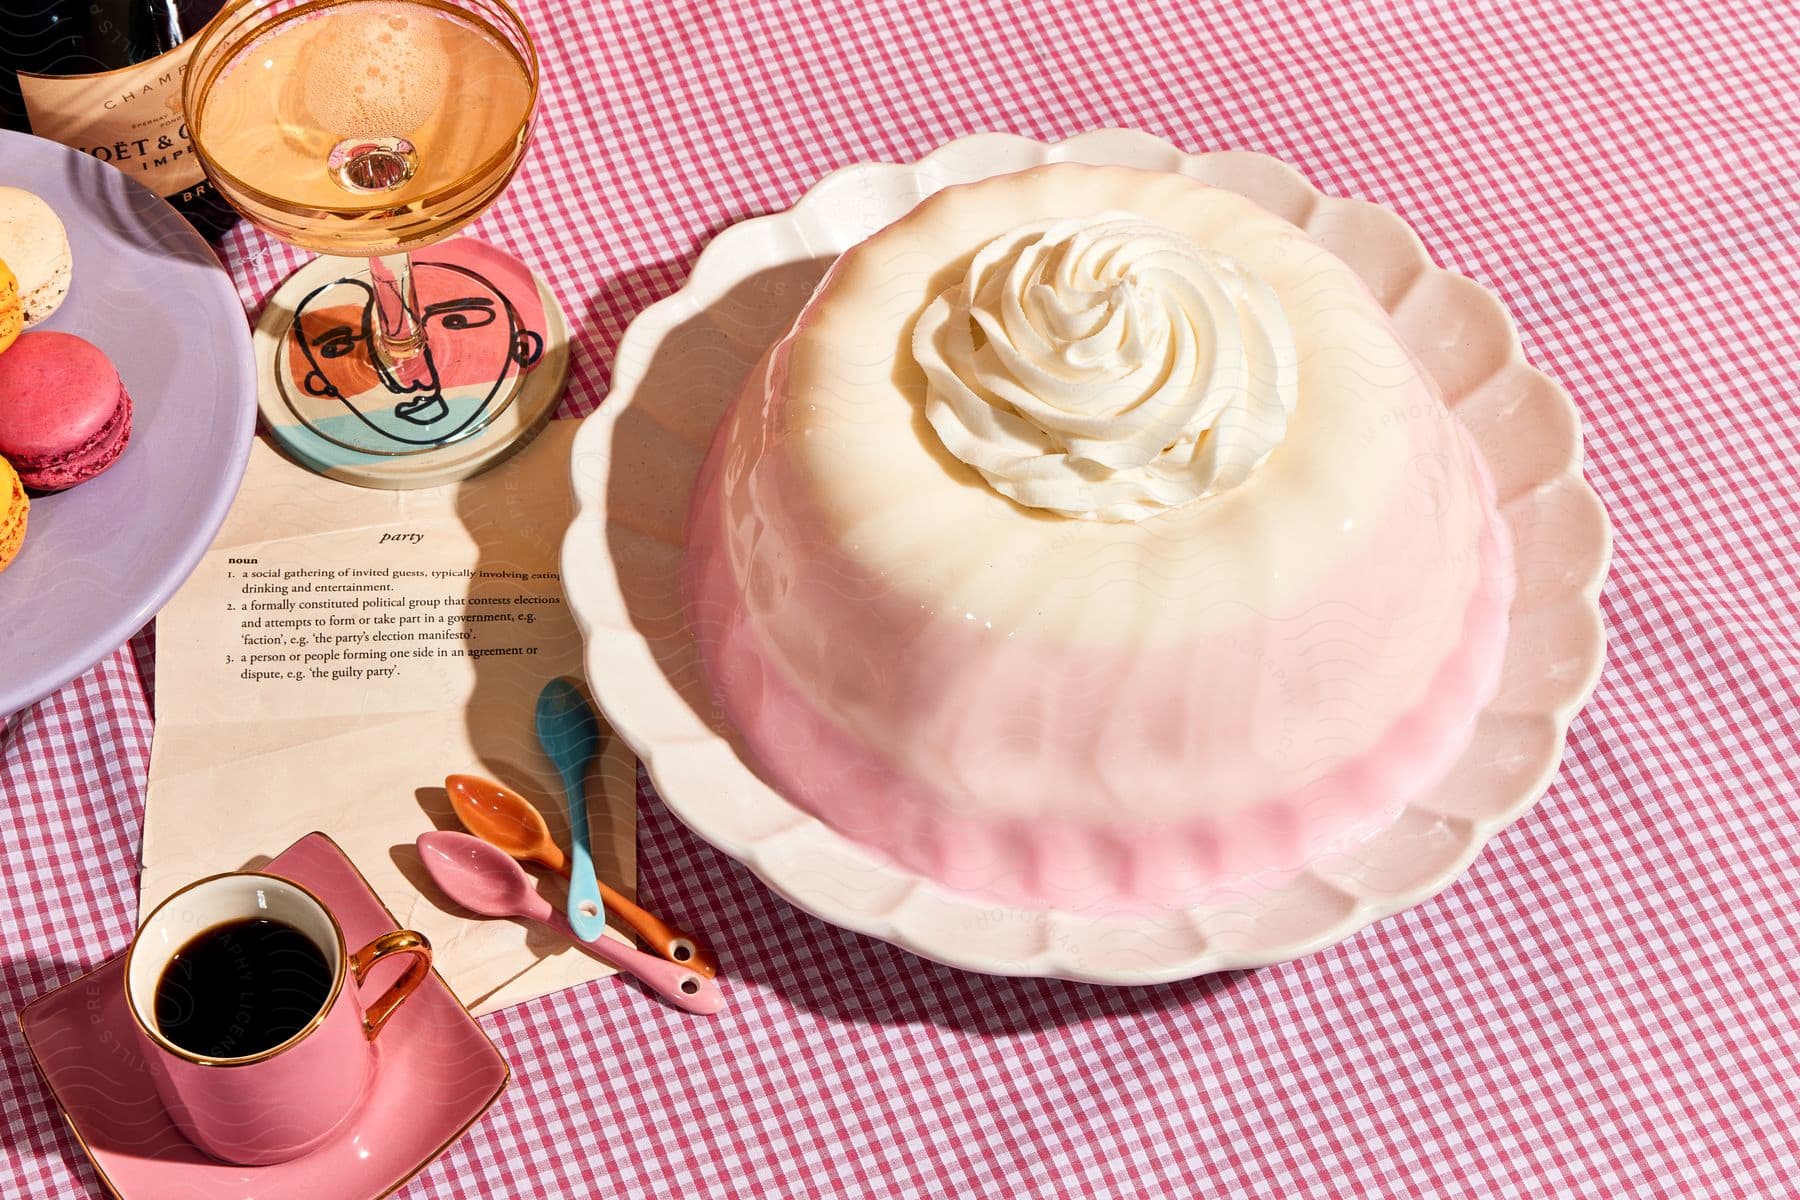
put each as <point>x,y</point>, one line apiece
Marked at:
<point>437,1073</point>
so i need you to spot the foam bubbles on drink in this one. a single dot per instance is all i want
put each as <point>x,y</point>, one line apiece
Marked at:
<point>373,72</point>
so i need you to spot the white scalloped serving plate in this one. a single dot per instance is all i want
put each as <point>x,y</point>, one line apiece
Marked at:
<point>684,359</point>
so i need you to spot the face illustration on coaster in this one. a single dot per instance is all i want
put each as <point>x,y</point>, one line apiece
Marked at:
<point>480,336</point>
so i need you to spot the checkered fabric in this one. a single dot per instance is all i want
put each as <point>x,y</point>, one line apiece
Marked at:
<point>1605,1005</point>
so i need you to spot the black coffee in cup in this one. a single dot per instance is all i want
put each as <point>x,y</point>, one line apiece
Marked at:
<point>241,988</point>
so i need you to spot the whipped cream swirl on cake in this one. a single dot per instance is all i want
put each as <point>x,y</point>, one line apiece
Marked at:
<point>1107,368</point>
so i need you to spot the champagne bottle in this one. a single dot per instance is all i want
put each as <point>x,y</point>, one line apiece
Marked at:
<point>104,76</point>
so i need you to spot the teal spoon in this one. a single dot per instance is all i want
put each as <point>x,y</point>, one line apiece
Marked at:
<point>571,737</point>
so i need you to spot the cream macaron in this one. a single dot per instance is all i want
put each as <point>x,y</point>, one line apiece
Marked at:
<point>34,244</point>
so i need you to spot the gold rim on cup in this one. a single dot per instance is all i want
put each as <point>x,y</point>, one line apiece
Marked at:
<point>337,980</point>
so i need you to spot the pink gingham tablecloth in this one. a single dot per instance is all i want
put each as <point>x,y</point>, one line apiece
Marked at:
<point>1605,1006</point>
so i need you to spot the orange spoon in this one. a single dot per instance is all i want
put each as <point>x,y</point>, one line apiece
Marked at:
<point>501,817</point>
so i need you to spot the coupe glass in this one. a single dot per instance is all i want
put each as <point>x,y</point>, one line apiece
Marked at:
<point>375,128</point>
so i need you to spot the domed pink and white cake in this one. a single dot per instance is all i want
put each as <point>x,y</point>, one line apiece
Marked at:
<point>1093,541</point>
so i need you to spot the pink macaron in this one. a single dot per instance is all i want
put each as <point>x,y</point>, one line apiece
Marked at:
<point>64,414</point>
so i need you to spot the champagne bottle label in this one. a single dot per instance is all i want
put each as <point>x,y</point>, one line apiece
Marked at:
<point>131,118</point>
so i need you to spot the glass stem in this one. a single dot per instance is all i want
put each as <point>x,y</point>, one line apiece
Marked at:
<point>397,308</point>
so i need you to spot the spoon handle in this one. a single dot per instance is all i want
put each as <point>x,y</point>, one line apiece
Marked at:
<point>586,909</point>
<point>683,987</point>
<point>678,947</point>
<point>674,944</point>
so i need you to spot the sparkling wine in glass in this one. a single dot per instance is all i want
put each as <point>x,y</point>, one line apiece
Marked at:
<point>376,128</point>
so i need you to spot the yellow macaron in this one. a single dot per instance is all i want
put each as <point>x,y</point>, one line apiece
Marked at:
<point>15,505</point>
<point>12,313</point>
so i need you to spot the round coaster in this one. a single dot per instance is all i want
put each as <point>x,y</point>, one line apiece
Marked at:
<point>496,358</point>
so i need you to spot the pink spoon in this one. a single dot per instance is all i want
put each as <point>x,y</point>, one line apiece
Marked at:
<point>483,879</point>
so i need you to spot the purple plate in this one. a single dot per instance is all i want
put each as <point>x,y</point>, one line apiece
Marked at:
<point>101,558</point>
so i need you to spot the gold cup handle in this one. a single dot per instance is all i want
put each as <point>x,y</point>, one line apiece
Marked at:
<point>401,941</point>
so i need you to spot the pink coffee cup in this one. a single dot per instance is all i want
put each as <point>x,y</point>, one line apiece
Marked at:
<point>281,1102</point>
